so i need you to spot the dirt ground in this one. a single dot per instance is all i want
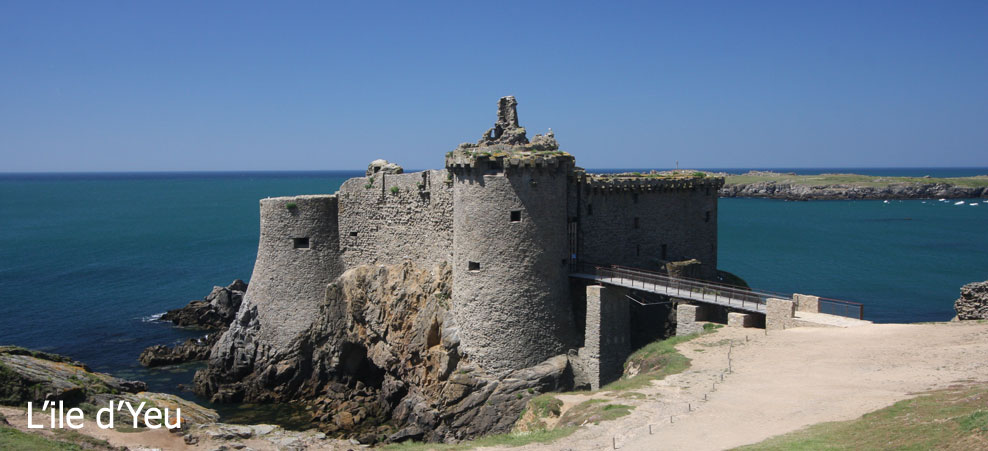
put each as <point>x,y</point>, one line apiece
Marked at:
<point>778,383</point>
<point>784,381</point>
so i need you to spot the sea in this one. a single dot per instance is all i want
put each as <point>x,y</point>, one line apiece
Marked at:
<point>89,261</point>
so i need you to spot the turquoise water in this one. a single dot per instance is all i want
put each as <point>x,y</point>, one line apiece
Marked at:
<point>86,259</point>
<point>905,260</point>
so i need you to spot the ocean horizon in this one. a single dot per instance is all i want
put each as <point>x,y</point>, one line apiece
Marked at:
<point>906,171</point>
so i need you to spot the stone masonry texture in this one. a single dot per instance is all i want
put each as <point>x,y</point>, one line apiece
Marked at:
<point>779,313</point>
<point>607,342</point>
<point>513,308</point>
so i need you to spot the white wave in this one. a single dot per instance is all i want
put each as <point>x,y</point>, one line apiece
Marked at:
<point>153,318</point>
<point>960,202</point>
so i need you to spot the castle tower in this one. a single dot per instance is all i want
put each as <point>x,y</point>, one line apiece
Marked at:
<point>298,254</point>
<point>510,249</point>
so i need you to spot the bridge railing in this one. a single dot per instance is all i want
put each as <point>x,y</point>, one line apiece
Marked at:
<point>841,308</point>
<point>680,287</point>
<point>719,285</point>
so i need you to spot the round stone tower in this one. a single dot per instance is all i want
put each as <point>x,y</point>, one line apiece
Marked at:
<point>510,251</point>
<point>298,254</point>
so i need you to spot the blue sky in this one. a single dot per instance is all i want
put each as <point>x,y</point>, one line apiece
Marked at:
<point>161,86</point>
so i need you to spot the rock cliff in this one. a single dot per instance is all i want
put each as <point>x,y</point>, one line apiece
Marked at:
<point>973,303</point>
<point>381,362</point>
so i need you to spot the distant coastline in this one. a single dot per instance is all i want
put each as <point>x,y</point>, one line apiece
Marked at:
<point>849,186</point>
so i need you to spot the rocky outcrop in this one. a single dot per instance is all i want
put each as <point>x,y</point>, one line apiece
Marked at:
<point>973,303</point>
<point>788,191</point>
<point>191,350</point>
<point>382,362</point>
<point>27,375</point>
<point>222,436</point>
<point>35,376</point>
<point>214,312</point>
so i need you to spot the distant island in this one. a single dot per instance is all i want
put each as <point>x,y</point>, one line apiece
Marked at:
<point>789,186</point>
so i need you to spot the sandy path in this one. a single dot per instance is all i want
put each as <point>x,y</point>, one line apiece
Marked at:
<point>144,439</point>
<point>788,380</point>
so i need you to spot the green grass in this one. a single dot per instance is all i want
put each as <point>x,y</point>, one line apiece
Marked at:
<point>955,418</point>
<point>546,405</point>
<point>655,361</point>
<point>291,205</point>
<point>593,411</point>
<point>395,190</point>
<point>853,179</point>
<point>64,440</point>
<point>14,440</point>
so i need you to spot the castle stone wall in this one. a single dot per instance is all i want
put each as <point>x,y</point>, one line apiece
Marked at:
<point>511,287</point>
<point>683,219</point>
<point>379,225</point>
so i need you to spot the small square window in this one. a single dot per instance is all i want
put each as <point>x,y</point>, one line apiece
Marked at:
<point>515,215</point>
<point>706,217</point>
<point>634,197</point>
<point>300,243</point>
<point>473,266</point>
<point>589,209</point>
<point>353,233</point>
<point>636,223</point>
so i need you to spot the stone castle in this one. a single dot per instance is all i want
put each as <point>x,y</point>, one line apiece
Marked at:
<point>511,217</point>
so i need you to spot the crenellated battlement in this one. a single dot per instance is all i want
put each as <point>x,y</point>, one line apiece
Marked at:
<point>498,158</point>
<point>618,183</point>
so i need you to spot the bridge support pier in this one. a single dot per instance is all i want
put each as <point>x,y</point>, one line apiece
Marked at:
<point>807,303</point>
<point>738,319</point>
<point>607,340</point>
<point>779,313</point>
<point>690,318</point>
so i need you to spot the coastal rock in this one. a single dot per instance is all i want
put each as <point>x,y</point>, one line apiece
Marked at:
<point>383,362</point>
<point>215,311</point>
<point>973,303</point>
<point>383,167</point>
<point>190,350</point>
<point>230,436</point>
<point>36,376</point>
